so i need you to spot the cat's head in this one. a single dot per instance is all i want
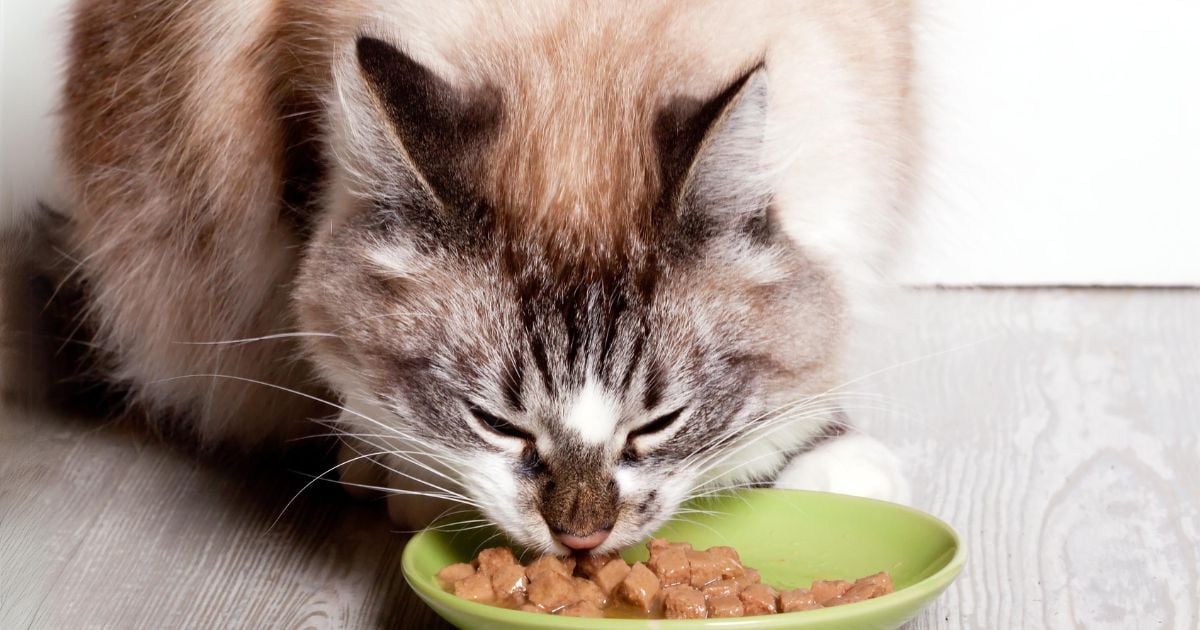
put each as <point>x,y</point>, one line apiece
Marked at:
<point>576,389</point>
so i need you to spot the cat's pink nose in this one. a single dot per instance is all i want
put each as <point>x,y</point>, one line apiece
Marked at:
<point>584,543</point>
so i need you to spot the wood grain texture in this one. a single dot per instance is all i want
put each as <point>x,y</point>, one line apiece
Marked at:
<point>1058,433</point>
<point>1056,430</point>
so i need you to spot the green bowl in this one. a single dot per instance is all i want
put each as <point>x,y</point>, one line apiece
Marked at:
<point>791,537</point>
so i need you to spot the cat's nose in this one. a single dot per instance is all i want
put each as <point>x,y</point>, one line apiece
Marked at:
<point>584,543</point>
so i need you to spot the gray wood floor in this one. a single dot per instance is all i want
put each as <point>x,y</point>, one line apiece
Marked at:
<point>1057,430</point>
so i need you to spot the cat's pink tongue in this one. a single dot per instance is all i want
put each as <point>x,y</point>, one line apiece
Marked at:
<point>578,543</point>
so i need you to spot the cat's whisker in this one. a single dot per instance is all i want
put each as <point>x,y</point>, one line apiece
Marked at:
<point>756,422</point>
<point>272,386</point>
<point>459,530</point>
<point>419,480</point>
<point>231,342</point>
<point>717,458</point>
<point>310,483</point>
<point>713,482</point>
<point>415,493</point>
<point>715,448</point>
<point>784,414</point>
<point>448,513</point>
<point>395,491</point>
<point>730,490</point>
<point>407,456</point>
<point>443,459</point>
<point>761,435</point>
<point>483,544</point>
<point>338,431</point>
<point>702,512</point>
<point>320,400</point>
<point>684,519</point>
<point>718,492</point>
<point>835,392</point>
<point>449,528</point>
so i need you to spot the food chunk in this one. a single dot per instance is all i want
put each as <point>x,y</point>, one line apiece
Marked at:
<point>797,600</point>
<point>724,606</point>
<point>881,583</point>
<point>676,582</point>
<point>722,588</point>
<point>684,602</point>
<point>509,583</point>
<point>705,568</point>
<point>611,576</point>
<point>453,573</point>
<point>640,587</point>
<point>551,591</point>
<point>758,599</point>
<point>670,565</point>
<point>591,564</point>
<point>730,561</point>
<point>492,559</point>
<point>725,552</point>
<point>659,544</point>
<point>866,588</point>
<point>476,588</point>
<point>589,592</point>
<point>825,591</point>
<point>582,609</point>
<point>552,564</point>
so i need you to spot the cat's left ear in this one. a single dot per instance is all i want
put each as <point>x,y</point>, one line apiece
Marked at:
<point>410,130</point>
<point>711,160</point>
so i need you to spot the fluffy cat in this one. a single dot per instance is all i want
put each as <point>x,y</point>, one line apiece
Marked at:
<point>567,262</point>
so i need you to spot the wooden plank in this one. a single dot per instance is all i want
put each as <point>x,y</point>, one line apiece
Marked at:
<point>105,529</point>
<point>1057,431</point>
<point>1062,444</point>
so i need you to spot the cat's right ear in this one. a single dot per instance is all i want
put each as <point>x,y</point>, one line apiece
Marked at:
<point>410,132</point>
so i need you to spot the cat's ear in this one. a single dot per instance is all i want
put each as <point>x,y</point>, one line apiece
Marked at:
<point>416,129</point>
<point>711,157</point>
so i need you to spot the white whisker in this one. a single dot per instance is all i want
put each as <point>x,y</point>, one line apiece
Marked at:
<point>287,335</point>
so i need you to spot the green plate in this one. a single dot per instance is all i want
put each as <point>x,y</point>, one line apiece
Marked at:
<point>791,537</point>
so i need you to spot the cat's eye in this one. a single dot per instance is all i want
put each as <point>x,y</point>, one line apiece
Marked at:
<point>499,425</point>
<point>656,425</point>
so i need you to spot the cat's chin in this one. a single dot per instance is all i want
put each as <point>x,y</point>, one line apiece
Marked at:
<point>854,464</point>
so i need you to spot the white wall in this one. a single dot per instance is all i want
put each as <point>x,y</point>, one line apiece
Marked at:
<point>31,36</point>
<point>1064,137</point>
<point>1064,143</point>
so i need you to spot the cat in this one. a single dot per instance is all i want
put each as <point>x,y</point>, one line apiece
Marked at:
<point>569,263</point>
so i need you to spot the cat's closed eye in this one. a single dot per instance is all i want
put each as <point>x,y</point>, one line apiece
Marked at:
<point>655,426</point>
<point>499,425</point>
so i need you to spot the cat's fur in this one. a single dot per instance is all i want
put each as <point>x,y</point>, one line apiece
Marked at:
<point>555,220</point>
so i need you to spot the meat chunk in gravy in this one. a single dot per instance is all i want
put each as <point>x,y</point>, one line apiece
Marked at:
<point>676,582</point>
<point>552,591</point>
<point>640,587</point>
<point>684,602</point>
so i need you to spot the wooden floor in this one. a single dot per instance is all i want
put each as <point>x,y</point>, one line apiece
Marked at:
<point>1056,430</point>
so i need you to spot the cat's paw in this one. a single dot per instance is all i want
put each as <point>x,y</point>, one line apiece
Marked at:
<point>851,464</point>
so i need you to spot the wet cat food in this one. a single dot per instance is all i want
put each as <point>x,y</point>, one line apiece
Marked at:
<point>676,582</point>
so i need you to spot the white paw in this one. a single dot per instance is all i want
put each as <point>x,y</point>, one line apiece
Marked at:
<point>851,464</point>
